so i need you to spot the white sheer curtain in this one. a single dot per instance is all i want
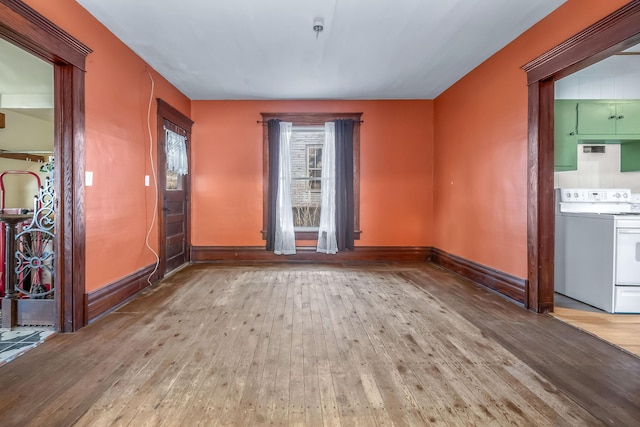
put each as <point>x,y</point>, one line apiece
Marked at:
<point>327,231</point>
<point>176,150</point>
<point>285,237</point>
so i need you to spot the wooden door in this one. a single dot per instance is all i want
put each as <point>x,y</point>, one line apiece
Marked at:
<point>173,194</point>
<point>175,221</point>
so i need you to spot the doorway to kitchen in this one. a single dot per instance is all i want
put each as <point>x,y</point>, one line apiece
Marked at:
<point>613,34</point>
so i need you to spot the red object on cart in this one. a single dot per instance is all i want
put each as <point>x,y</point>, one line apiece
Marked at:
<point>2,227</point>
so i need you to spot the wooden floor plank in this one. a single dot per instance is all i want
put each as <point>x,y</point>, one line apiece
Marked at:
<point>622,330</point>
<point>371,345</point>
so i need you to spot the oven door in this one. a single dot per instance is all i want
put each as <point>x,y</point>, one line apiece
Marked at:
<point>628,256</point>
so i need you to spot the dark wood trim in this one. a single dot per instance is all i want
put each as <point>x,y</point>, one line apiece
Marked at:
<point>171,114</point>
<point>311,119</point>
<point>610,35</point>
<point>27,29</point>
<point>74,164</point>
<point>506,284</point>
<point>540,209</point>
<point>533,258</point>
<point>546,209</point>
<point>310,235</point>
<point>309,254</point>
<point>107,298</point>
<point>23,26</point>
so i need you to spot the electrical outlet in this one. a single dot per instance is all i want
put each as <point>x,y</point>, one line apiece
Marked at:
<point>146,180</point>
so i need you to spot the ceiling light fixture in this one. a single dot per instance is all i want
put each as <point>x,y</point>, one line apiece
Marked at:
<point>318,25</point>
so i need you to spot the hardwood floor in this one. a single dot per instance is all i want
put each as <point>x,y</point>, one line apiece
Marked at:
<point>622,330</point>
<point>321,345</point>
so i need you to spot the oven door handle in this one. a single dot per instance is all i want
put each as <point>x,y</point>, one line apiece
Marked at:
<point>628,230</point>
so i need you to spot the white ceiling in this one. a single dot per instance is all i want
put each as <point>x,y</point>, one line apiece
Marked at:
<point>26,83</point>
<point>369,49</point>
<point>399,51</point>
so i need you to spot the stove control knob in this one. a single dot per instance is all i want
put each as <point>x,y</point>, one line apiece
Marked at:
<point>625,195</point>
<point>617,195</point>
<point>568,195</point>
<point>575,195</point>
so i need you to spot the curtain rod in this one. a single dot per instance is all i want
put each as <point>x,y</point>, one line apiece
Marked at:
<point>263,122</point>
<point>179,131</point>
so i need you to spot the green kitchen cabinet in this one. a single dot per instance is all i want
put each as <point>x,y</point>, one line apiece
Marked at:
<point>607,118</point>
<point>630,156</point>
<point>596,118</point>
<point>628,118</point>
<point>565,144</point>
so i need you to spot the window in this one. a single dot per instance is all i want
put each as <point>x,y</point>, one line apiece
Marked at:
<point>306,184</point>
<point>314,167</point>
<point>306,176</point>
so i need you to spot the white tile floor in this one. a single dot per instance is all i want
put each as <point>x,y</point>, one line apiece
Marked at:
<point>15,342</point>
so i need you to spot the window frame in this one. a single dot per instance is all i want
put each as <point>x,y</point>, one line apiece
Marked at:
<point>313,179</point>
<point>311,119</point>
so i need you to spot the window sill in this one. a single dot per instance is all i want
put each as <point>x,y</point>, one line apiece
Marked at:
<point>310,235</point>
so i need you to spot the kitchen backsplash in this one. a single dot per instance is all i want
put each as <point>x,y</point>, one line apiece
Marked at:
<point>598,170</point>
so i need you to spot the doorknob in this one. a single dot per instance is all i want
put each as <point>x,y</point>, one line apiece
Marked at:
<point>166,209</point>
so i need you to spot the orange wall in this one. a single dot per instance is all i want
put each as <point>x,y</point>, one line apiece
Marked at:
<point>465,194</point>
<point>395,162</point>
<point>480,172</point>
<point>118,205</point>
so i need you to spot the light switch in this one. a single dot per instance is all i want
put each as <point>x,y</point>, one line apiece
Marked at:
<point>88,178</point>
<point>146,180</point>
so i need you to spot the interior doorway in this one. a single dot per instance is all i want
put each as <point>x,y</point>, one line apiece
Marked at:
<point>25,28</point>
<point>614,33</point>
<point>27,176</point>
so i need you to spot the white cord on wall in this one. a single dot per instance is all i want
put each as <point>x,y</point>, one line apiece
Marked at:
<point>155,182</point>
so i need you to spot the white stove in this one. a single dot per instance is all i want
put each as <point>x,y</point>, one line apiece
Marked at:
<point>597,247</point>
<point>596,200</point>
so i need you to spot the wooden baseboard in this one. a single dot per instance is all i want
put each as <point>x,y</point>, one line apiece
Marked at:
<point>309,254</point>
<point>105,299</point>
<point>504,283</point>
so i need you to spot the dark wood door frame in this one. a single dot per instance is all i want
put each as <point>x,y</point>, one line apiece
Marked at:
<point>612,34</point>
<point>167,112</point>
<point>27,29</point>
